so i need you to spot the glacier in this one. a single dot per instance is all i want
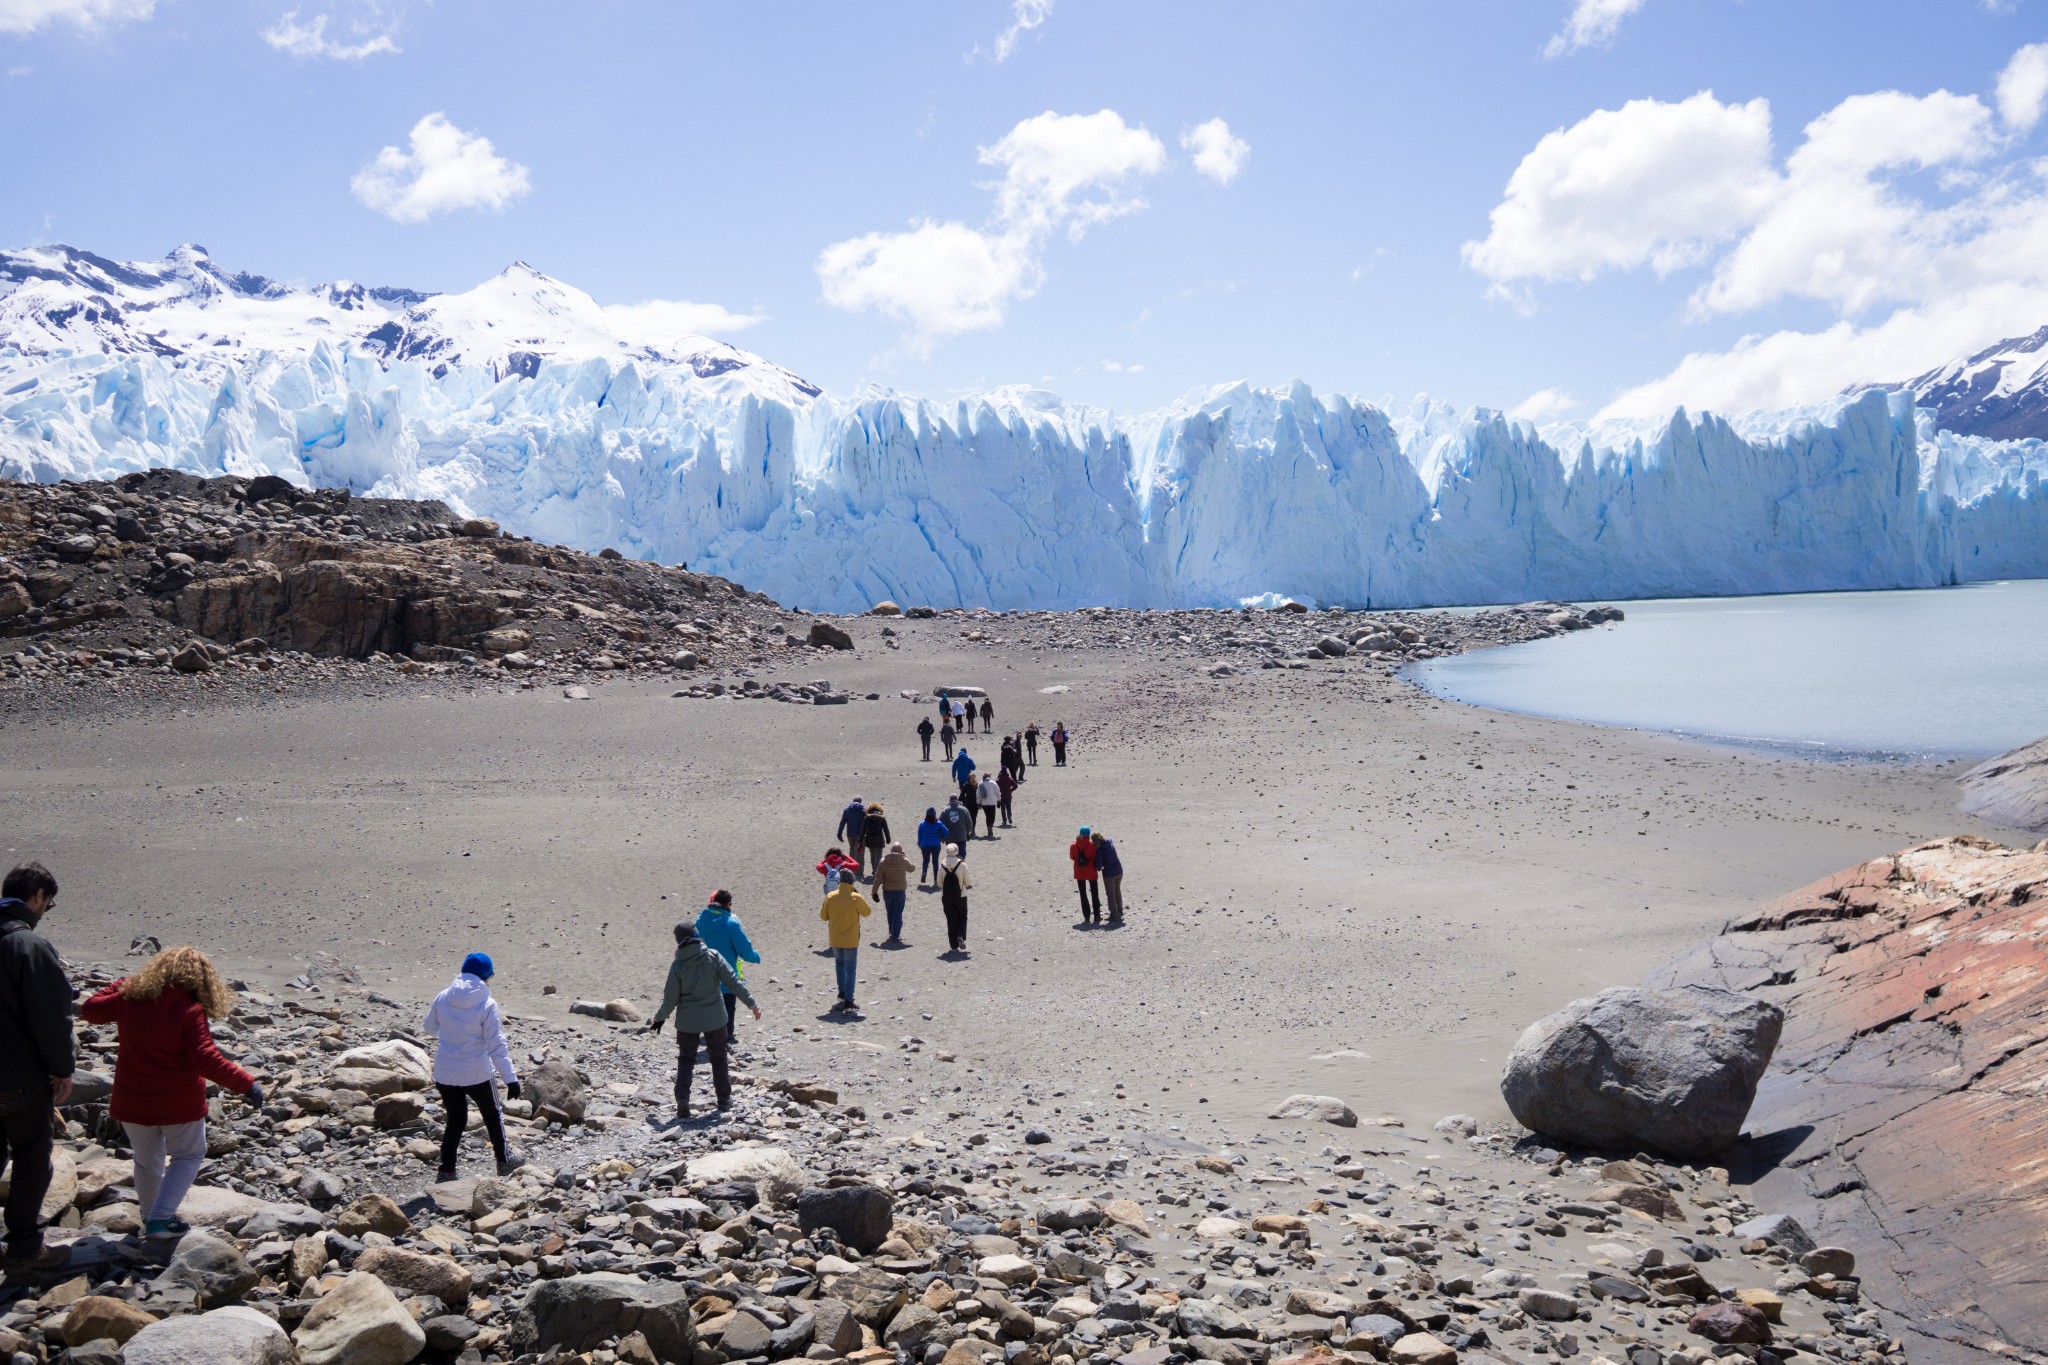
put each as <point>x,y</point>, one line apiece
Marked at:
<point>526,402</point>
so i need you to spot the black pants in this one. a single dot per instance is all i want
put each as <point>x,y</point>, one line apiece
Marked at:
<point>686,1066</point>
<point>27,1136</point>
<point>949,749</point>
<point>1059,755</point>
<point>956,926</point>
<point>988,813</point>
<point>732,1016</point>
<point>1089,889</point>
<point>927,747</point>
<point>1006,808</point>
<point>931,864</point>
<point>1031,750</point>
<point>455,1100</point>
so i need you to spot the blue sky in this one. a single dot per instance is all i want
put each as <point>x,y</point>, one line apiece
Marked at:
<point>1521,203</point>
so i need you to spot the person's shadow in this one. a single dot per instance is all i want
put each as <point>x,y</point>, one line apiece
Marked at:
<point>842,1017</point>
<point>955,955</point>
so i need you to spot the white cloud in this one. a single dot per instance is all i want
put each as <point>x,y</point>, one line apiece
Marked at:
<point>445,169</point>
<point>1119,367</point>
<point>1025,15</point>
<point>1544,405</point>
<point>26,16</point>
<point>1217,153</point>
<point>1060,172</point>
<point>1593,23</point>
<point>2023,87</point>
<point>1912,218</point>
<point>1648,183</point>
<point>675,318</point>
<point>309,39</point>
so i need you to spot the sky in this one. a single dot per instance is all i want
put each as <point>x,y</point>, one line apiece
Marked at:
<point>1561,208</point>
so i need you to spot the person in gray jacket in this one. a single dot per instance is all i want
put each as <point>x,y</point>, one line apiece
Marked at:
<point>698,982</point>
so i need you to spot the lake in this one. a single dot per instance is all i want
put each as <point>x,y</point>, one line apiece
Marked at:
<point>1933,673</point>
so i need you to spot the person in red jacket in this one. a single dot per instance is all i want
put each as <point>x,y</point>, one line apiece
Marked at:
<point>1082,852</point>
<point>167,1056</point>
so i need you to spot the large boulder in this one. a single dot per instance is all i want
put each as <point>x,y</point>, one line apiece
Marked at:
<point>581,1312</point>
<point>772,1169</point>
<point>211,1266</point>
<point>2011,789</point>
<point>96,1318</point>
<point>825,633</point>
<point>860,1214</point>
<point>226,1336</point>
<point>1319,1108</point>
<point>359,1322</point>
<point>1672,1071</point>
<point>409,1273</point>
<point>393,1054</point>
<point>559,1087</point>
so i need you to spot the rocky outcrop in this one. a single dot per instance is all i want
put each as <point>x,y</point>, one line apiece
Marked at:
<point>2012,789</point>
<point>1902,1117</point>
<point>1670,1071</point>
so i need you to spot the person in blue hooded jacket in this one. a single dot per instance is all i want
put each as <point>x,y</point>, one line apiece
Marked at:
<point>931,834</point>
<point>723,933</point>
<point>963,766</point>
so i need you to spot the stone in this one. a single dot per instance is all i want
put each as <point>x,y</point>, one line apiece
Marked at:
<point>373,1213</point>
<point>824,633</point>
<point>1673,1071</point>
<point>912,1324</point>
<point>395,1111</point>
<point>97,1316</point>
<point>375,1081</point>
<point>226,1336</point>
<point>1127,1213</point>
<point>1316,1108</point>
<point>491,1193</point>
<point>63,1191</point>
<point>1069,1215</point>
<point>1779,1229</point>
<point>582,1312</point>
<point>1387,1330</point>
<point>1331,647</point>
<point>621,1012</point>
<point>358,1322</point>
<point>1457,1125</point>
<point>505,640</point>
<point>557,1088</point>
<point>193,658</point>
<point>308,1256</point>
<point>1764,1301</point>
<point>280,1223</point>
<point>448,1333</point>
<point>1614,1287</point>
<point>480,527</point>
<point>1216,1229</point>
<point>1420,1348</point>
<point>209,1206</point>
<point>211,1266</point>
<point>773,1170</point>
<point>1011,1270</point>
<point>1836,1261</point>
<point>393,1054</point>
<point>412,1272</point>
<point>1730,1324</point>
<point>834,1326</point>
<point>885,608</point>
<point>1548,1304</point>
<point>1654,1200</point>
<point>861,1215</point>
<point>1208,1318</point>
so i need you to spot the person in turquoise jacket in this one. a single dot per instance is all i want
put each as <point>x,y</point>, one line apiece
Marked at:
<point>723,933</point>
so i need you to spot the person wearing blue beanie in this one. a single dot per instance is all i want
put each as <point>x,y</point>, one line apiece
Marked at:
<point>471,1031</point>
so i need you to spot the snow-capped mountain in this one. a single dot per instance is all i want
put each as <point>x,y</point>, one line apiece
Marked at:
<point>526,401</point>
<point>2000,392</point>
<point>58,298</point>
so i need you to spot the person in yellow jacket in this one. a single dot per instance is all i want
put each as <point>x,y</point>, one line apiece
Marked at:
<point>843,910</point>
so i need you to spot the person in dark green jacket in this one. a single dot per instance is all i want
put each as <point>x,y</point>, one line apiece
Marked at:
<point>698,982</point>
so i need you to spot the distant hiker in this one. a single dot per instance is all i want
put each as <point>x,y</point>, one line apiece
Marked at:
<point>852,821</point>
<point>970,797</point>
<point>723,933</point>
<point>963,715</point>
<point>472,1034</point>
<point>953,886</point>
<point>1031,742</point>
<point>988,795</point>
<point>1009,760</point>
<point>924,738</point>
<point>931,833</point>
<point>892,879</point>
<point>946,736</point>
<point>1006,787</point>
<point>988,716</point>
<point>963,765</point>
<point>835,862</point>
<point>1082,853</point>
<point>959,823</point>
<point>875,837</point>
<point>1112,869</point>
<point>698,980</point>
<point>843,910</point>
<point>1059,744</point>
<point>36,1058</point>
<point>166,1057</point>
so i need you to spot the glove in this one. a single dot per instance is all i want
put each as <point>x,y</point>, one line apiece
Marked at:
<point>511,1090</point>
<point>655,1027</point>
<point>255,1096</point>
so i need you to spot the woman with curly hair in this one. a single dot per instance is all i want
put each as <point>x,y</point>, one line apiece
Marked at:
<point>167,1055</point>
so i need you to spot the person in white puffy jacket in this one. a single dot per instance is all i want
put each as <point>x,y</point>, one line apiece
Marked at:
<point>472,1034</point>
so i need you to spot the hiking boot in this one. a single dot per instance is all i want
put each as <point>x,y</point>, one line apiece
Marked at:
<point>511,1161</point>
<point>444,1175</point>
<point>165,1229</point>
<point>35,1256</point>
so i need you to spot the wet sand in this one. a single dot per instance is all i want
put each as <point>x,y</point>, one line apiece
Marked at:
<point>1335,883</point>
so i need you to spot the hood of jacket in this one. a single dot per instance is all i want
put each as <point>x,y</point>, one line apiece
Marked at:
<point>466,994</point>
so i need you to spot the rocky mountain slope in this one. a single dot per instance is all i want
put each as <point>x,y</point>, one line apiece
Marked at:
<point>2001,392</point>
<point>1902,1108</point>
<point>527,402</point>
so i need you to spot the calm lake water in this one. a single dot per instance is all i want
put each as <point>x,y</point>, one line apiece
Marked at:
<point>1936,673</point>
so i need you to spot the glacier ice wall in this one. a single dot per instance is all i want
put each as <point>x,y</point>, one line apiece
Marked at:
<point>1016,500</point>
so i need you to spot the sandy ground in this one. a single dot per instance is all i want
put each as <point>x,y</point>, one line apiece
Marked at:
<point>1336,884</point>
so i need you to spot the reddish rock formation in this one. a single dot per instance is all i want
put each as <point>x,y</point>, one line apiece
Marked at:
<point>1906,1112</point>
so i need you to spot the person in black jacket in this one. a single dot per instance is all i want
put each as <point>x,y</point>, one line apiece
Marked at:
<point>925,731</point>
<point>852,824</point>
<point>36,1056</point>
